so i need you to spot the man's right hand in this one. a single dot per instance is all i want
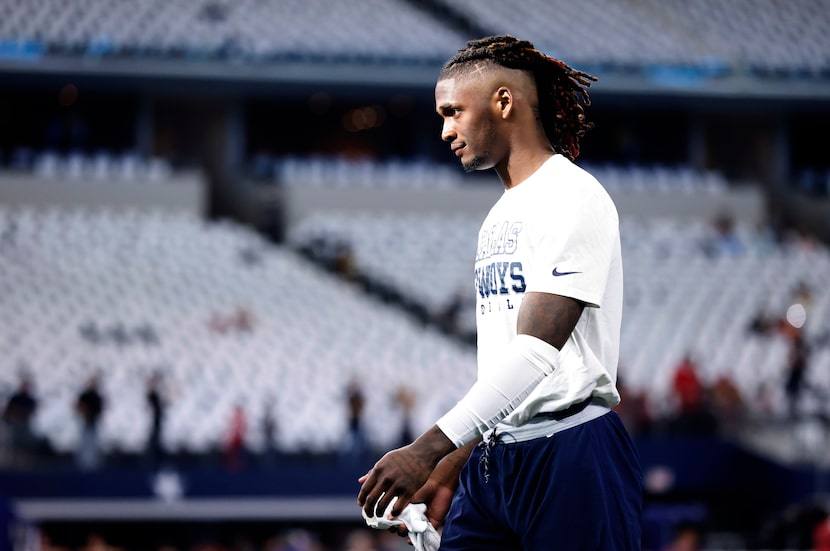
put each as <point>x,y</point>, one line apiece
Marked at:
<point>402,472</point>
<point>439,489</point>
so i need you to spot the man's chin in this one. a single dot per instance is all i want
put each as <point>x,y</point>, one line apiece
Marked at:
<point>478,163</point>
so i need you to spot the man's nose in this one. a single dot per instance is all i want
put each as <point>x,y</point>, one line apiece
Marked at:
<point>448,132</point>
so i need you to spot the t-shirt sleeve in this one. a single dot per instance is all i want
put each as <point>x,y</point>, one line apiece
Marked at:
<point>573,248</point>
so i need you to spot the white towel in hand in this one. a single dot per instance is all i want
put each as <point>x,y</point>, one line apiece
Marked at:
<point>422,533</point>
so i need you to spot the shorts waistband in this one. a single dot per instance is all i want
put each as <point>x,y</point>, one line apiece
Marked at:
<point>546,425</point>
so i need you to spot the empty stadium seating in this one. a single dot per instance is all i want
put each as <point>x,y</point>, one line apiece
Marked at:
<point>708,38</point>
<point>100,166</point>
<point>336,172</point>
<point>247,29</point>
<point>63,273</point>
<point>79,288</point>
<point>321,171</point>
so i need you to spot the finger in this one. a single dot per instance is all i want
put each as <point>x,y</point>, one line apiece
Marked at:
<point>399,530</point>
<point>368,481</point>
<point>372,505</point>
<point>384,501</point>
<point>400,505</point>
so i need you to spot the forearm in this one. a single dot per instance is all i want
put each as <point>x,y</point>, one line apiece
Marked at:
<point>431,447</point>
<point>447,471</point>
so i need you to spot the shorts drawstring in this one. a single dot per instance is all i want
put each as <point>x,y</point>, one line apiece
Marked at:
<point>486,445</point>
<point>484,460</point>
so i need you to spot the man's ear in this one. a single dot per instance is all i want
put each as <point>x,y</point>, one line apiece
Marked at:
<point>504,98</point>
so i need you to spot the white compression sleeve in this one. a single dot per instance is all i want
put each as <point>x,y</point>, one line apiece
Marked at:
<point>527,361</point>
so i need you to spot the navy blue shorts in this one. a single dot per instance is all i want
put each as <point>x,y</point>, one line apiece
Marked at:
<point>580,489</point>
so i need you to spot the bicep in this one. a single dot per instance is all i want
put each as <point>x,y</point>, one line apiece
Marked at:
<point>551,318</point>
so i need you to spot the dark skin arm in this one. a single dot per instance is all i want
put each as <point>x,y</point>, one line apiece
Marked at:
<point>404,471</point>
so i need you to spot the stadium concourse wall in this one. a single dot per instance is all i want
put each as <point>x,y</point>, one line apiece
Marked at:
<point>744,203</point>
<point>183,191</point>
<point>189,192</point>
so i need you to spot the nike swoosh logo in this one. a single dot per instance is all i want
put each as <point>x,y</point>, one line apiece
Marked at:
<point>557,273</point>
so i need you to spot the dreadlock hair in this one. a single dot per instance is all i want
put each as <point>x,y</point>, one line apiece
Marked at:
<point>561,90</point>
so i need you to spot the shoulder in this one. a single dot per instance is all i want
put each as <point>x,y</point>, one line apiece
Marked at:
<point>575,180</point>
<point>563,187</point>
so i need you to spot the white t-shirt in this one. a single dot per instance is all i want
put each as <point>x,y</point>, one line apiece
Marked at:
<point>555,232</point>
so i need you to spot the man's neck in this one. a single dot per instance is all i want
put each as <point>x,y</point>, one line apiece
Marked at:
<point>518,167</point>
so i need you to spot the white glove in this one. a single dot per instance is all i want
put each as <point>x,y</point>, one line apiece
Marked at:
<point>422,533</point>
